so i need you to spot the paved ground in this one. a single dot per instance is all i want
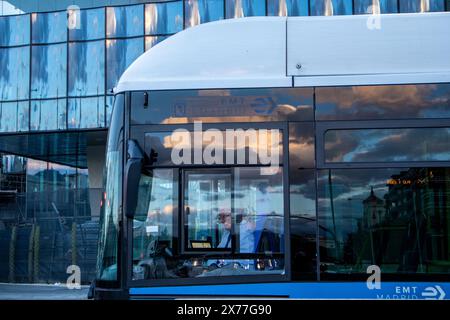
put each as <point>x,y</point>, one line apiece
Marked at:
<point>41,292</point>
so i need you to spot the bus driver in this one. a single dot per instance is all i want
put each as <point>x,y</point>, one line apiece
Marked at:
<point>246,232</point>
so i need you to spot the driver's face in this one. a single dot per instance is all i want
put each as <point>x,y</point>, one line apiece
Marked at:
<point>227,221</point>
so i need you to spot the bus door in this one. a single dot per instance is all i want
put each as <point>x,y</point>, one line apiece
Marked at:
<point>207,208</point>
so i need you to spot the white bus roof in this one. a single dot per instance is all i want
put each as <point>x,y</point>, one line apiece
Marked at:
<point>298,51</point>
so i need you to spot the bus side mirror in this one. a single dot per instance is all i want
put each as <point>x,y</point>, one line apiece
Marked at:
<point>133,169</point>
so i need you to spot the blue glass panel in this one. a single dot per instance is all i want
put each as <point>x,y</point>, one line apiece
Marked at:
<point>124,21</point>
<point>109,107</point>
<point>13,164</point>
<point>330,7</point>
<point>48,71</point>
<point>120,53</point>
<point>88,24</point>
<point>14,116</point>
<point>151,41</point>
<point>367,6</point>
<point>86,112</point>
<point>14,73</point>
<point>49,27</point>
<point>86,68</point>
<point>15,30</point>
<point>245,8</point>
<point>163,18</point>
<point>48,114</point>
<point>287,8</point>
<point>421,5</point>
<point>201,11</point>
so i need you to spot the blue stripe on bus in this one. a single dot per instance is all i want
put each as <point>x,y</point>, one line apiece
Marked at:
<point>317,290</point>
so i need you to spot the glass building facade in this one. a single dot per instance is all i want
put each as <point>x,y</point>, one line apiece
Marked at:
<point>59,66</point>
<point>59,61</point>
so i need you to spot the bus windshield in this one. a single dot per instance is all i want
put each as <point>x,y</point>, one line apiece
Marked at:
<point>197,222</point>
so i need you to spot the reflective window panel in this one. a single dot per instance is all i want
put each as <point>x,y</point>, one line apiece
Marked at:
<point>120,53</point>
<point>259,212</point>
<point>86,112</point>
<point>15,30</point>
<point>301,145</point>
<point>124,21</point>
<point>422,5</point>
<point>201,11</point>
<point>224,105</point>
<point>48,114</point>
<point>163,18</point>
<point>87,24</point>
<point>151,41</point>
<point>108,108</point>
<point>287,8</point>
<point>380,145</point>
<point>377,6</point>
<point>48,71</point>
<point>383,102</point>
<point>86,68</point>
<point>14,116</point>
<point>245,8</point>
<point>169,146</point>
<point>254,215</point>
<point>330,7</point>
<point>13,164</point>
<point>15,73</point>
<point>49,27</point>
<point>396,219</point>
<point>302,192</point>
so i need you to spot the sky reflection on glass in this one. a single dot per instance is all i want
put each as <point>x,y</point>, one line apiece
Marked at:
<point>380,145</point>
<point>202,11</point>
<point>245,8</point>
<point>330,7</point>
<point>421,5</point>
<point>48,114</point>
<point>14,116</point>
<point>15,30</point>
<point>49,27</point>
<point>86,68</point>
<point>287,8</point>
<point>86,112</point>
<point>368,6</point>
<point>120,53</point>
<point>15,73</point>
<point>124,21</point>
<point>163,18</point>
<point>91,25</point>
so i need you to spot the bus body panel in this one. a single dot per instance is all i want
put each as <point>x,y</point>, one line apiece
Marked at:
<point>308,290</point>
<point>398,44</point>
<point>231,53</point>
<point>271,51</point>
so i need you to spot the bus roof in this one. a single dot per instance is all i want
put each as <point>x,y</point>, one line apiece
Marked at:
<point>298,51</point>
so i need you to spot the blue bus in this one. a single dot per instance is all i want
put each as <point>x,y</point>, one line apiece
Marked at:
<point>282,157</point>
